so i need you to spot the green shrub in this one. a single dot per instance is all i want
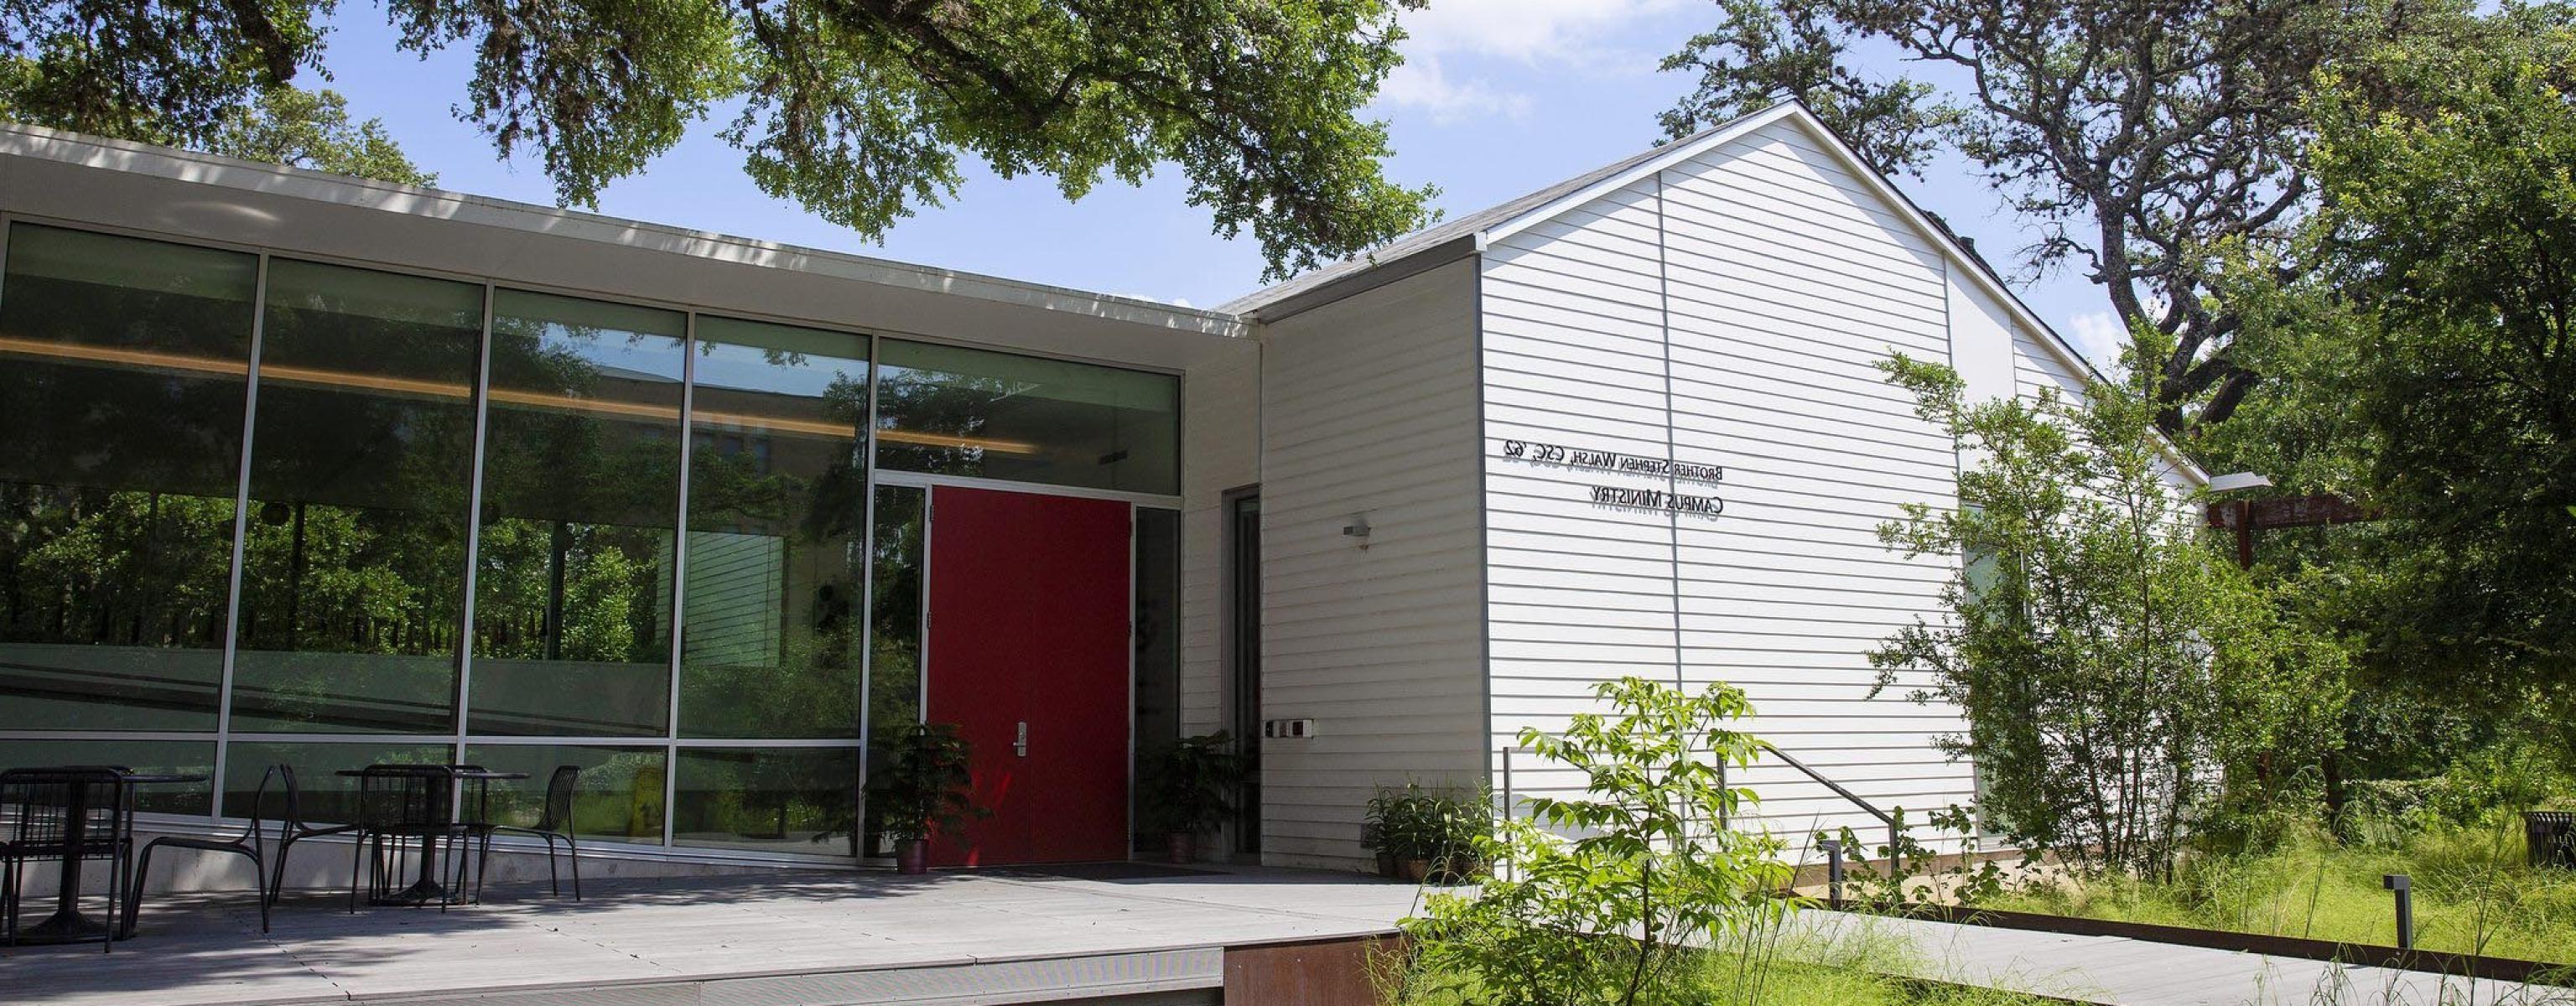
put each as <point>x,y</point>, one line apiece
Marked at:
<point>1598,899</point>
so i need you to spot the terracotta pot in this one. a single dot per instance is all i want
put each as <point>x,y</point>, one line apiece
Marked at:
<point>912,855</point>
<point>1183,847</point>
<point>1416,869</point>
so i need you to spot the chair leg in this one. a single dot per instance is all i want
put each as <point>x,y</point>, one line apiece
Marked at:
<point>553,877</point>
<point>259,883</point>
<point>115,881</point>
<point>134,902</point>
<point>277,876</point>
<point>357,856</point>
<point>571,852</point>
<point>9,901</point>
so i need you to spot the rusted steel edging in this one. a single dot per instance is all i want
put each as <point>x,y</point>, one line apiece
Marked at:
<point>2502,969</point>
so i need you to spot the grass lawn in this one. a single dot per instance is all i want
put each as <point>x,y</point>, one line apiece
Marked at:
<point>2473,894</point>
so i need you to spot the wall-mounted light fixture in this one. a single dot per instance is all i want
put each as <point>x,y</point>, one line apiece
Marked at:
<point>1357,529</point>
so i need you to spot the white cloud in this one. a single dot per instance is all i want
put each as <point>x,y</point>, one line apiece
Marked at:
<point>1451,34</point>
<point>2100,336</point>
<point>1422,82</point>
<point>1521,29</point>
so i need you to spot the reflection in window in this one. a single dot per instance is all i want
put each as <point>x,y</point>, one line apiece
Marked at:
<point>798,800</point>
<point>619,799</point>
<point>123,365</point>
<point>152,757</point>
<point>894,653</point>
<point>955,411</point>
<point>770,642</point>
<point>354,557</point>
<point>1158,655</point>
<point>581,500</point>
<point>327,796</point>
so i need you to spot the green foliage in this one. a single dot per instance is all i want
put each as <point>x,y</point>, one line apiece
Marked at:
<point>1598,899</point>
<point>921,788</point>
<point>860,112</point>
<point>2473,893</point>
<point>311,129</point>
<point>1443,827</point>
<point>1890,876</point>
<point>2429,370</point>
<point>2133,137</point>
<point>1193,783</point>
<point>2111,661</point>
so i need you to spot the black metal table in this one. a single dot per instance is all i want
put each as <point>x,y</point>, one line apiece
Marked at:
<point>428,888</point>
<point>67,924</point>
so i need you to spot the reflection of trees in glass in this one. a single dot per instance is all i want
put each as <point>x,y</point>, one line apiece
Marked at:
<point>120,568</point>
<point>894,657</point>
<point>804,494</point>
<point>580,505</point>
<point>929,401</point>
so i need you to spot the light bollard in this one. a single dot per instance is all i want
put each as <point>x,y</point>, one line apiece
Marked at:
<point>2403,888</point>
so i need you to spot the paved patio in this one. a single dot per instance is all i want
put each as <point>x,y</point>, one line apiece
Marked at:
<point>1156,935</point>
<point>985,937</point>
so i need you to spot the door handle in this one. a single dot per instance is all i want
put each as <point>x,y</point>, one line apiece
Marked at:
<point>1021,745</point>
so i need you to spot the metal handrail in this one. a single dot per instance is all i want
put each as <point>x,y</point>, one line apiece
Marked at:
<point>1895,833</point>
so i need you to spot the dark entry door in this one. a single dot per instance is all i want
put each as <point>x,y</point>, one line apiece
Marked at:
<point>1028,656</point>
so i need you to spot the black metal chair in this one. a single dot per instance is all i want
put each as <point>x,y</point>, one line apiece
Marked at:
<point>292,828</point>
<point>245,844</point>
<point>554,823</point>
<point>65,814</point>
<point>402,803</point>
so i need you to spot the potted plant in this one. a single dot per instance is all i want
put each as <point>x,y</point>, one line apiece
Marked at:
<point>1422,834</point>
<point>923,791</point>
<point>1192,786</point>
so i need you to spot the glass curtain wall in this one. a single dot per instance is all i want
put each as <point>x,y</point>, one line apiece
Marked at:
<point>262,510</point>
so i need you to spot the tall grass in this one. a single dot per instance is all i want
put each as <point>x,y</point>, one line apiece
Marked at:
<point>2473,893</point>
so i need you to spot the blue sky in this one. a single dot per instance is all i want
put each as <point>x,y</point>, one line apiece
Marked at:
<point>1497,98</point>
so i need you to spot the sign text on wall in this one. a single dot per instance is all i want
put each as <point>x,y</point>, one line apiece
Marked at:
<point>1629,464</point>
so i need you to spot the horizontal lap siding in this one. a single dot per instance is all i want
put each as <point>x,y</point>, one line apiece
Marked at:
<point>1368,409</point>
<point>1782,281</point>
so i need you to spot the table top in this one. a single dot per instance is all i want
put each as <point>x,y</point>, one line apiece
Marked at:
<point>475,772</point>
<point>130,777</point>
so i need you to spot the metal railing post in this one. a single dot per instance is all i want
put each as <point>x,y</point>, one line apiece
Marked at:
<point>1833,874</point>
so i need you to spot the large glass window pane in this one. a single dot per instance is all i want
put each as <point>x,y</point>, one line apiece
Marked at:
<point>770,621</point>
<point>619,799</point>
<point>581,498</point>
<point>799,800</point>
<point>894,618</point>
<point>955,411</point>
<point>1157,665</point>
<point>123,368</point>
<point>353,575</point>
<point>156,757</point>
<point>326,795</point>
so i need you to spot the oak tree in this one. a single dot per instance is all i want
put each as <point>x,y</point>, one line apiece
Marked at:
<point>859,110</point>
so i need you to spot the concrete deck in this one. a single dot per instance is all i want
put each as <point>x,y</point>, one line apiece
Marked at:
<point>985,937</point>
<point>1148,934</point>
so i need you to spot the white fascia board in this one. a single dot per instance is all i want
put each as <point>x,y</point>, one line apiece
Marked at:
<point>81,149</point>
<point>1961,262</point>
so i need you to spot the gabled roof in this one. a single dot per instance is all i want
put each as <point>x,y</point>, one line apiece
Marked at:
<point>1471,234</point>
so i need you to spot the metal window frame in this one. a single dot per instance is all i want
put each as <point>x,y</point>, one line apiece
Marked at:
<point>670,741</point>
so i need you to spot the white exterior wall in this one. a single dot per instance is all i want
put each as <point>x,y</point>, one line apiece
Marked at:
<point>1729,310</point>
<point>1220,452</point>
<point>1368,409</point>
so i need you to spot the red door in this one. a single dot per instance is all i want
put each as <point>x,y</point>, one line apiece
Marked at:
<point>1028,655</point>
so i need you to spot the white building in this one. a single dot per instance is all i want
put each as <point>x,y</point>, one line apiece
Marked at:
<point>1404,507</point>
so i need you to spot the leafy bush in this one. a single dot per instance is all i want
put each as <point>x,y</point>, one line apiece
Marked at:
<point>923,789</point>
<point>1443,827</point>
<point>1191,785</point>
<point>1598,899</point>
